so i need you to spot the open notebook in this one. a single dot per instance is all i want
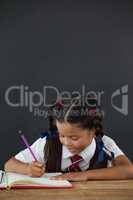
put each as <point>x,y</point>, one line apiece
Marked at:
<point>14,180</point>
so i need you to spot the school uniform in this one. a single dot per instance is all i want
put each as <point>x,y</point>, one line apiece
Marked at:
<point>109,147</point>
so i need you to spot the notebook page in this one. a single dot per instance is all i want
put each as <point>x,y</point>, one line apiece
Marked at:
<point>23,179</point>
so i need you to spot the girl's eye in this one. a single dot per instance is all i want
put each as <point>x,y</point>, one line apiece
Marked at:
<point>61,135</point>
<point>74,138</point>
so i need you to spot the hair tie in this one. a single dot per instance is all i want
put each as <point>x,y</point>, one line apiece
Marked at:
<point>92,111</point>
<point>59,104</point>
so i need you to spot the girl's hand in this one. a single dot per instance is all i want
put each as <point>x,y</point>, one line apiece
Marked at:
<point>72,176</point>
<point>35,169</point>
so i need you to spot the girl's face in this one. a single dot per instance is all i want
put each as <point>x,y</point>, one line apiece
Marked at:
<point>74,137</point>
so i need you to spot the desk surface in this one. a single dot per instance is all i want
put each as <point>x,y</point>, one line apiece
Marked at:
<point>94,190</point>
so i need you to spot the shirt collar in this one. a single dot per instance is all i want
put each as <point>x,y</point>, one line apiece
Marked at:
<point>86,154</point>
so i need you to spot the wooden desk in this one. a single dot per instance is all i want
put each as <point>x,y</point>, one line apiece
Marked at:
<point>94,190</point>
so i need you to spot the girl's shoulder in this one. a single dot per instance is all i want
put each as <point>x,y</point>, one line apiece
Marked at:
<point>111,145</point>
<point>39,142</point>
<point>107,140</point>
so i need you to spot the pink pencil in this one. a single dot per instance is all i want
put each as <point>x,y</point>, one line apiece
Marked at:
<point>27,145</point>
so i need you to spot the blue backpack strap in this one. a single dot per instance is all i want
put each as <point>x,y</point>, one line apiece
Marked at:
<point>103,150</point>
<point>109,153</point>
<point>52,132</point>
<point>100,146</point>
<point>44,134</point>
<point>101,156</point>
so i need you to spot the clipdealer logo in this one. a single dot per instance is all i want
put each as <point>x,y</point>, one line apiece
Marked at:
<point>33,100</point>
<point>123,94</point>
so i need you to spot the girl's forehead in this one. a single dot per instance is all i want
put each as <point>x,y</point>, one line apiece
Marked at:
<point>67,125</point>
<point>67,128</point>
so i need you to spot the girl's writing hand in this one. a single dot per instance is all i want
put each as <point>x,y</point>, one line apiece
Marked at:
<point>35,169</point>
<point>72,176</point>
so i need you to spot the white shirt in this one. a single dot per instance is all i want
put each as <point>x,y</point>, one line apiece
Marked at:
<point>38,149</point>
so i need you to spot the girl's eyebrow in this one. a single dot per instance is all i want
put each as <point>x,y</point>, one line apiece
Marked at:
<point>69,135</point>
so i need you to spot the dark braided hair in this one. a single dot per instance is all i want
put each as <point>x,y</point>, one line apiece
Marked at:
<point>86,115</point>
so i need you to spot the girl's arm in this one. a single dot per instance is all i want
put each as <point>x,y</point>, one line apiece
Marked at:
<point>34,169</point>
<point>122,169</point>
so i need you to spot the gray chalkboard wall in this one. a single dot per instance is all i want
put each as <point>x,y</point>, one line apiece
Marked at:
<point>83,46</point>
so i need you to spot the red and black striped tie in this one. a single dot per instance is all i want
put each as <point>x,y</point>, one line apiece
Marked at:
<point>74,167</point>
